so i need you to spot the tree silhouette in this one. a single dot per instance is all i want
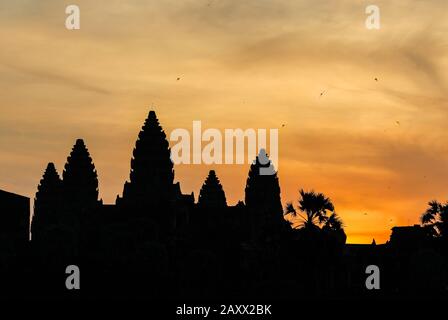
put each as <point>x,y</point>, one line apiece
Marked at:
<point>152,174</point>
<point>80,179</point>
<point>46,202</point>
<point>212,195</point>
<point>334,229</point>
<point>315,207</point>
<point>435,219</point>
<point>333,223</point>
<point>320,236</point>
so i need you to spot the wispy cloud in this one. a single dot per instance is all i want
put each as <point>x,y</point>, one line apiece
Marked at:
<point>61,78</point>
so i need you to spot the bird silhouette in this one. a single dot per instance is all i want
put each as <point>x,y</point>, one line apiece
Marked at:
<point>322,93</point>
<point>283,125</point>
<point>376,79</point>
<point>178,79</point>
<point>397,122</point>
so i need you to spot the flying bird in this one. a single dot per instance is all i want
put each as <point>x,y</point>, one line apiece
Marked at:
<point>397,122</point>
<point>178,79</point>
<point>322,93</point>
<point>283,125</point>
<point>376,79</point>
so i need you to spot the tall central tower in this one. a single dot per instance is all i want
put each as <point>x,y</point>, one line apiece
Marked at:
<point>152,174</point>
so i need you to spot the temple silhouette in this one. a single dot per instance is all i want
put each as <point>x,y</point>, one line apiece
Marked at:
<point>156,242</point>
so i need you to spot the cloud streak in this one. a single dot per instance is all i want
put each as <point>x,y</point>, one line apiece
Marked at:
<point>56,78</point>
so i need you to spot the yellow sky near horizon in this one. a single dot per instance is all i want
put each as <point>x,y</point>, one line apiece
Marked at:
<point>241,64</point>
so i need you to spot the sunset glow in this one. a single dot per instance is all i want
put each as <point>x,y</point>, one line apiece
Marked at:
<point>361,113</point>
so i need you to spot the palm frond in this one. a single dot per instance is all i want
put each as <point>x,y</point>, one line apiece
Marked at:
<point>289,209</point>
<point>334,222</point>
<point>430,215</point>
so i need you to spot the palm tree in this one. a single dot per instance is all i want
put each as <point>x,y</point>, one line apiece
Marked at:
<point>435,219</point>
<point>320,229</point>
<point>334,223</point>
<point>315,208</point>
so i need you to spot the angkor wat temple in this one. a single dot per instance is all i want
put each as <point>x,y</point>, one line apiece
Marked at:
<point>156,242</point>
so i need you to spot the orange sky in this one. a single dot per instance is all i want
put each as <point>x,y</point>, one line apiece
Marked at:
<point>242,64</point>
